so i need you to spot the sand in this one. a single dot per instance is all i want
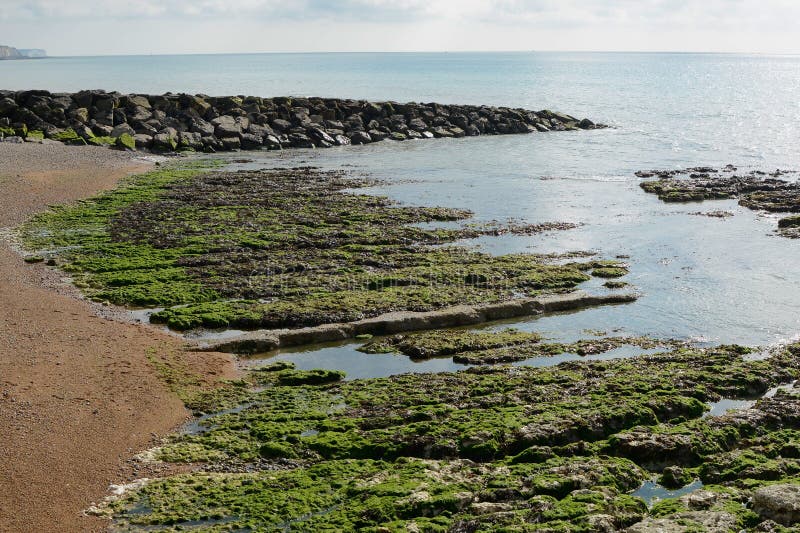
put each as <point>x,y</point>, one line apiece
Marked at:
<point>78,398</point>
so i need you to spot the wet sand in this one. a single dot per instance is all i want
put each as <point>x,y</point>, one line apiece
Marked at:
<point>78,397</point>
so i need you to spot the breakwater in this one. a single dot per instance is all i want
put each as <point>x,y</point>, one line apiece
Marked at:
<point>175,122</point>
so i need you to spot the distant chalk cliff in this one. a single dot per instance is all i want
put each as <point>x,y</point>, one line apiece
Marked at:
<point>9,52</point>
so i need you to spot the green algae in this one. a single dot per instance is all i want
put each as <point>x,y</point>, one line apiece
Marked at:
<point>493,347</point>
<point>68,136</point>
<point>279,248</point>
<point>789,222</point>
<point>609,272</point>
<point>488,449</point>
<point>126,142</point>
<point>440,343</point>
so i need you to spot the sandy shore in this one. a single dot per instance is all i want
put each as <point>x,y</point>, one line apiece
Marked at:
<point>78,397</point>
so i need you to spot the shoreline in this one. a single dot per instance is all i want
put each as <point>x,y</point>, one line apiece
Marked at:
<point>78,396</point>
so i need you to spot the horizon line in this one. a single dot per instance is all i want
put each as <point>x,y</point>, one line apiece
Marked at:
<point>399,52</point>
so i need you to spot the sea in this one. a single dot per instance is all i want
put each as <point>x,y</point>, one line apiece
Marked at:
<point>703,279</point>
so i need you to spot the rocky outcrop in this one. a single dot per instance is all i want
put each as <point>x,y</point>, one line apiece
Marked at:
<point>463,315</point>
<point>780,503</point>
<point>203,123</point>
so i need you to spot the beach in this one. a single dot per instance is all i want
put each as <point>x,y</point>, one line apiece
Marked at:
<point>79,397</point>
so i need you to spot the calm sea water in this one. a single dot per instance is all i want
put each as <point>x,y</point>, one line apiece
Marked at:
<point>708,279</point>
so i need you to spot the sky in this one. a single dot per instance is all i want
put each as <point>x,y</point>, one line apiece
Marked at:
<point>109,27</point>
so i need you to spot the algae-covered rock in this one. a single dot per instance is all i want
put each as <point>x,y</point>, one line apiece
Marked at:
<point>126,142</point>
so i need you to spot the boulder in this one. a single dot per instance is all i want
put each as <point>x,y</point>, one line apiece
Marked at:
<point>272,142</point>
<point>138,101</point>
<point>231,143</point>
<point>226,126</point>
<point>780,503</point>
<point>143,140</point>
<point>126,141</point>
<point>281,125</point>
<point>300,140</point>
<point>251,141</point>
<point>211,144</point>
<point>138,113</point>
<point>378,135</point>
<point>418,124</point>
<point>202,127</point>
<point>190,139</point>
<point>118,131</point>
<point>165,142</point>
<point>321,135</point>
<point>360,137</point>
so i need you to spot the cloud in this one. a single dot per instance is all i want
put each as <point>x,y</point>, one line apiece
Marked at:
<point>529,12</point>
<point>77,26</point>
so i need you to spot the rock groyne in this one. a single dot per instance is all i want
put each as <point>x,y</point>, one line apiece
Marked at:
<point>176,122</point>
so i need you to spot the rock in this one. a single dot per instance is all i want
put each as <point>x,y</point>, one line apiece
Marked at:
<point>139,114</point>
<point>360,137</point>
<point>440,132</point>
<point>656,450</point>
<point>251,141</point>
<point>377,135</point>
<point>300,140</point>
<point>138,101</point>
<point>14,139</point>
<point>126,141</point>
<point>80,114</point>
<point>231,143</point>
<point>272,142</point>
<point>164,142</point>
<point>202,127</point>
<point>457,132</point>
<point>709,521</point>
<point>226,126</point>
<point>102,130</point>
<point>321,135</point>
<point>143,140</point>
<point>122,129</point>
<point>281,125</point>
<point>211,144</point>
<point>397,136</point>
<point>586,124</point>
<point>190,139</point>
<point>341,140</point>
<point>780,503</point>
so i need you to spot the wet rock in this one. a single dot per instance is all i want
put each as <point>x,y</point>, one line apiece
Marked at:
<point>360,137</point>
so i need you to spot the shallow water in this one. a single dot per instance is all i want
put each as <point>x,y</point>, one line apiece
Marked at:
<point>706,279</point>
<point>651,492</point>
<point>701,278</point>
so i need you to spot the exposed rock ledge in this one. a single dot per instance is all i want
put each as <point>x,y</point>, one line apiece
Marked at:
<point>462,315</point>
<point>173,122</point>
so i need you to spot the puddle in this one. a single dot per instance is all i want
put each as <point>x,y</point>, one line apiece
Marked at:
<point>651,492</point>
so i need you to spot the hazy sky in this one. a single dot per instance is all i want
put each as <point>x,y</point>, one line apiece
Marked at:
<point>81,27</point>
